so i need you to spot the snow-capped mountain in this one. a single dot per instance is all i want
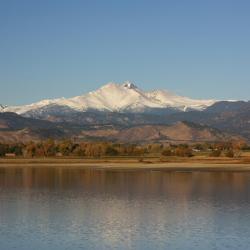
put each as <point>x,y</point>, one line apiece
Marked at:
<point>113,97</point>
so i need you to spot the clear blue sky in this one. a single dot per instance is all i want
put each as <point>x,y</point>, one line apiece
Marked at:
<point>54,48</point>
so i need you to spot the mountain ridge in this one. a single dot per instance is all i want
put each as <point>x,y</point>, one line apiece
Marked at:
<point>15,128</point>
<point>114,97</point>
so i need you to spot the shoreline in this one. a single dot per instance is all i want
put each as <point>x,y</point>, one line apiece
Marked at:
<point>179,165</point>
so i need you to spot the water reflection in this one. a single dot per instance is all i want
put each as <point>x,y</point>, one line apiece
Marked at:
<point>63,208</point>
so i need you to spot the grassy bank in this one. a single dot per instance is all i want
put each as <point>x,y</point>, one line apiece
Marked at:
<point>197,163</point>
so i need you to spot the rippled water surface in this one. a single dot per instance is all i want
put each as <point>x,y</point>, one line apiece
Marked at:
<point>63,208</point>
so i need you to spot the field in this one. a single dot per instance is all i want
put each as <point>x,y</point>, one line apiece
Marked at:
<point>197,162</point>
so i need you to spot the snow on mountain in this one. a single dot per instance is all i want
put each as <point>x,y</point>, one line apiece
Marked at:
<point>167,98</point>
<point>125,97</point>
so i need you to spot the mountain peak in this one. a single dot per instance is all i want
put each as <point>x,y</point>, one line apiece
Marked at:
<point>114,97</point>
<point>126,84</point>
<point>129,85</point>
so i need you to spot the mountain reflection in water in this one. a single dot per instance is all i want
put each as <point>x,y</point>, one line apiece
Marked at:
<point>63,208</point>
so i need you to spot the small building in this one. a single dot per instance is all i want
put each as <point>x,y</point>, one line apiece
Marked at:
<point>10,155</point>
<point>196,150</point>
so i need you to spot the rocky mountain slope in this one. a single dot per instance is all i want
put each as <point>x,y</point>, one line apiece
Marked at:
<point>230,117</point>
<point>15,128</point>
<point>181,132</point>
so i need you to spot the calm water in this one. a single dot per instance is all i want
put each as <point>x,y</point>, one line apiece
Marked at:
<point>54,208</point>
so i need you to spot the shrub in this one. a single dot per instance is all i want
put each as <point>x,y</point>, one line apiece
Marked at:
<point>229,153</point>
<point>111,151</point>
<point>183,152</point>
<point>166,152</point>
<point>215,153</point>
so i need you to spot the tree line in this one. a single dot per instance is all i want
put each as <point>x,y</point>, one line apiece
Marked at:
<point>51,148</point>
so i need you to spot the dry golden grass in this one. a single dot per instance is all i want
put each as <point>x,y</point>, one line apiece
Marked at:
<point>196,163</point>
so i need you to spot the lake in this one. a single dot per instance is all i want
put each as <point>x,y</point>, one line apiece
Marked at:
<point>62,208</point>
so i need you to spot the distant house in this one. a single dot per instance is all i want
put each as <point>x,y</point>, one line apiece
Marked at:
<point>196,150</point>
<point>10,155</point>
